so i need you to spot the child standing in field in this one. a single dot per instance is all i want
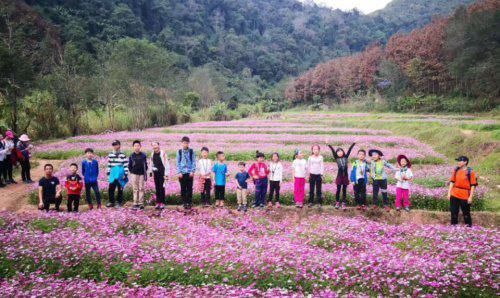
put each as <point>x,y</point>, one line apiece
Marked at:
<point>220,174</point>
<point>403,177</point>
<point>275,178</point>
<point>90,172</point>
<point>359,176</point>
<point>74,187</point>
<point>316,167</point>
<point>186,167</point>
<point>379,176</point>
<point>342,180</point>
<point>299,169</point>
<point>259,172</point>
<point>205,170</point>
<point>242,187</point>
<point>117,171</point>
<point>138,167</point>
<point>161,170</point>
<point>463,183</point>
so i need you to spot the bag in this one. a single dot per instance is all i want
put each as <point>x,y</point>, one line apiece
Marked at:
<point>19,155</point>
<point>469,171</point>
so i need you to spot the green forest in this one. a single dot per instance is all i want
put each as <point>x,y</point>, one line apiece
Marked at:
<point>76,67</point>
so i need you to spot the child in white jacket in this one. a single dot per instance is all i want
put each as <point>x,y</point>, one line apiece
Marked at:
<point>403,176</point>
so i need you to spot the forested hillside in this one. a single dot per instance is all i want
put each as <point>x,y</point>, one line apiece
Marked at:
<point>455,56</point>
<point>168,58</point>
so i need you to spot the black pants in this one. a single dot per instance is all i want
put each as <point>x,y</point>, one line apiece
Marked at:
<point>274,191</point>
<point>360,192</point>
<point>92,186</point>
<point>186,190</point>
<point>343,188</point>
<point>112,187</point>
<point>382,186</point>
<point>220,192</point>
<point>47,201</point>
<point>25,170</point>
<point>315,182</point>
<point>73,203</point>
<point>159,187</point>
<point>455,206</point>
<point>7,168</point>
<point>2,166</point>
<point>205,192</point>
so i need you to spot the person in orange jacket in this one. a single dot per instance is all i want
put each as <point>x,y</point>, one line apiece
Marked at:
<point>463,182</point>
<point>74,187</point>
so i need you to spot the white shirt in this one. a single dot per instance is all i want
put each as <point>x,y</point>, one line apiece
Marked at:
<point>276,171</point>
<point>361,170</point>
<point>315,165</point>
<point>408,174</point>
<point>9,145</point>
<point>299,168</point>
<point>204,166</point>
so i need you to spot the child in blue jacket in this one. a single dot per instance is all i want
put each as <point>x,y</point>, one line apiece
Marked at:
<point>359,176</point>
<point>90,171</point>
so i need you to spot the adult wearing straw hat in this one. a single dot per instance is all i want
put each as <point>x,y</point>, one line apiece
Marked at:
<point>24,148</point>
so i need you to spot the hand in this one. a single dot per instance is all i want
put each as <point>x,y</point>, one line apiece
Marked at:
<point>449,196</point>
<point>469,200</point>
<point>191,175</point>
<point>165,177</point>
<point>179,176</point>
<point>40,205</point>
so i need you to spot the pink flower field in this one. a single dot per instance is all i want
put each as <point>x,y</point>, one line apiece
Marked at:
<point>285,252</point>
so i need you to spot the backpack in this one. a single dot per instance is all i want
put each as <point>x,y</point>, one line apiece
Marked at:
<point>469,171</point>
<point>179,155</point>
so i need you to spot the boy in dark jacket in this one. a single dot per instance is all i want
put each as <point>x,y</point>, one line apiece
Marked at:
<point>74,187</point>
<point>90,172</point>
<point>138,169</point>
<point>359,176</point>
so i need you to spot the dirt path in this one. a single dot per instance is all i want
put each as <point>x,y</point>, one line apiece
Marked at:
<point>15,196</point>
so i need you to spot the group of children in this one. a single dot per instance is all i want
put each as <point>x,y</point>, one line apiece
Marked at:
<point>136,168</point>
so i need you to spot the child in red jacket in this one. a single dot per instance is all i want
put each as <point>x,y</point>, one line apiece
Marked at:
<point>74,187</point>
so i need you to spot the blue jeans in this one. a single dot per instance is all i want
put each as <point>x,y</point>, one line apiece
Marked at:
<point>95,187</point>
<point>260,191</point>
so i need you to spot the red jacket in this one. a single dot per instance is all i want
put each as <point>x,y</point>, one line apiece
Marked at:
<point>74,184</point>
<point>259,169</point>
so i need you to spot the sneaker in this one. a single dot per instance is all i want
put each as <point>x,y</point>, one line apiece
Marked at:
<point>135,207</point>
<point>99,206</point>
<point>239,208</point>
<point>110,205</point>
<point>29,181</point>
<point>359,207</point>
<point>119,205</point>
<point>13,181</point>
<point>270,204</point>
<point>3,185</point>
<point>387,208</point>
<point>344,207</point>
<point>398,209</point>
<point>407,209</point>
<point>91,206</point>
<point>278,205</point>
<point>254,206</point>
<point>375,207</point>
<point>141,207</point>
<point>337,205</point>
<point>311,205</point>
<point>245,208</point>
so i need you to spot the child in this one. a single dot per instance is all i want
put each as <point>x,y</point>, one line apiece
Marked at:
<point>161,170</point>
<point>299,168</point>
<point>315,165</point>
<point>138,168</point>
<point>379,177</point>
<point>3,153</point>
<point>463,183</point>
<point>342,180</point>
<point>205,170</point>
<point>186,167</point>
<point>49,190</point>
<point>74,187</point>
<point>241,187</point>
<point>275,178</point>
<point>220,174</point>
<point>90,172</point>
<point>117,170</point>
<point>25,147</point>
<point>403,177</point>
<point>259,172</point>
<point>359,176</point>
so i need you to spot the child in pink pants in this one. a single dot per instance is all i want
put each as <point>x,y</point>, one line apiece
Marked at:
<point>403,176</point>
<point>299,169</point>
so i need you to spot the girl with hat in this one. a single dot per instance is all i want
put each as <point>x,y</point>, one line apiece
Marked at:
<point>403,177</point>
<point>25,147</point>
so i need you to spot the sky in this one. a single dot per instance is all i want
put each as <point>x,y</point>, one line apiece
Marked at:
<point>366,6</point>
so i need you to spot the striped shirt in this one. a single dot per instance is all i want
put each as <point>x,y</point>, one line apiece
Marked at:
<point>117,159</point>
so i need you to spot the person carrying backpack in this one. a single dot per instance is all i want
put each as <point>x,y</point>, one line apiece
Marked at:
<point>463,182</point>
<point>186,167</point>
